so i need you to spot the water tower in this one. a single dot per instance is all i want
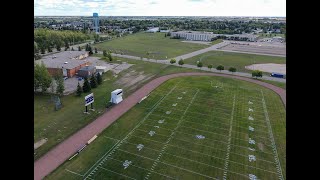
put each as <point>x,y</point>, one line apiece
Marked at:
<point>96,22</point>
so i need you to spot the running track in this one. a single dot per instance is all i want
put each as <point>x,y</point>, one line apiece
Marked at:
<point>56,156</point>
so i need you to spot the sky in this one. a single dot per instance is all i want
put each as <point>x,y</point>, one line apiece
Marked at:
<point>274,8</point>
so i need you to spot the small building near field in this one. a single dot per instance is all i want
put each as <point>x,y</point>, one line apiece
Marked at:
<point>86,71</point>
<point>101,69</point>
<point>67,62</point>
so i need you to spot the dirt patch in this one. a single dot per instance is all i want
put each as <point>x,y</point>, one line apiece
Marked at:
<point>261,146</point>
<point>132,79</point>
<point>256,48</point>
<point>269,67</point>
<point>121,67</point>
<point>39,143</point>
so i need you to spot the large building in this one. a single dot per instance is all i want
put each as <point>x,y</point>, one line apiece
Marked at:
<point>194,35</point>
<point>207,36</point>
<point>67,62</point>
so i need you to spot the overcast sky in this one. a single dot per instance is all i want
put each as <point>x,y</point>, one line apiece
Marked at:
<point>160,7</point>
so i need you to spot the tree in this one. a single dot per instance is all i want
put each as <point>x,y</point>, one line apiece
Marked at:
<point>87,47</point>
<point>42,78</point>
<point>220,67</point>
<point>90,51</point>
<point>72,49</point>
<point>86,85</point>
<point>99,78</point>
<point>105,54</point>
<point>42,50</point>
<point>66,46</point>
<point>109,57</point>
<point>60,84</point>
<point>58,48</point>
<point>79,90</point>
<point>232,69</point>
<point>95,50</point>
<point>256,73</point>
<point>181,62</point>
<point>172,61</point>
<point>199,64</point>
<point>210,66</point>
<point>79,48</point>
<point>93,81</point>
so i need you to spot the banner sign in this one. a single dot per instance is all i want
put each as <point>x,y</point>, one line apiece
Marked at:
<point>89,99</point>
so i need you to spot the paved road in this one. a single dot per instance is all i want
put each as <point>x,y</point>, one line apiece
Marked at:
<point>195,67</point>
<point>56,156</point>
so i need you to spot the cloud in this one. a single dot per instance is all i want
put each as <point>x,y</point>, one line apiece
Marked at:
<point>160,7</point>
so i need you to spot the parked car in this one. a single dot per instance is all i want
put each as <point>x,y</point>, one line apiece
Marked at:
<point>65,78</point>
<point>277,75</point>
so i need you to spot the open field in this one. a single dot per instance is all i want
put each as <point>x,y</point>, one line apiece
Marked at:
<point>58,125</point>
<point>191,128</point>
<point>279,84</point>
<point>272,50</point>
<point>237,60</point>
<point>216,41</point>
<point>158,46</point>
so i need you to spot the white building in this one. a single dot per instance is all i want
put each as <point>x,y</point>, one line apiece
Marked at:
<point>194,35</point>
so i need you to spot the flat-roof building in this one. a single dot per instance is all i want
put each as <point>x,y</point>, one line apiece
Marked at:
<point>207,36</point>
<point>67,62</point>
<point>194,35</point>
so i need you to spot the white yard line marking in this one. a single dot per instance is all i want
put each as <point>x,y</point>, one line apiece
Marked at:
<point>171,136</point>
<point>222,142</point>
<point>276,158</point>
<point>220,134</point>
<point>200,145</point>
<point>171,165</point>
<point>117,173</point>
<point>211,121</point>
<point>138,125</point>
<point>111,138</point>
<point>144,168</point>
<point>226,165</point>
<point>74,172</point>
<point>196,152</point>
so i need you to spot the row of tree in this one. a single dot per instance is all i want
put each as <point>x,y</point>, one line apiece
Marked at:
<point>94,81</point>
<point>255,73</point>
<point>46,39</point>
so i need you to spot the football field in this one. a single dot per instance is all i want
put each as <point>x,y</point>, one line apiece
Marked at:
<point>191,128</point>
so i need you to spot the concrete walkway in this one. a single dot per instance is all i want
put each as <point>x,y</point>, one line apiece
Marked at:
<point>60,153</point>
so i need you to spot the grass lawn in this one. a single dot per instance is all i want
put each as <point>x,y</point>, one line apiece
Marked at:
<point>158,46</point>
<point>279,84</point>
<point>230,59</point>
<point>188,129</point>
<point>58,125</point>
<point>216,41</point>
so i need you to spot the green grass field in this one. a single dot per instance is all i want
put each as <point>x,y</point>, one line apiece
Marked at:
<point>58,125</point>
<point>190,128</point>
<point>237,60</point>
<point>158,46</point>
<point>216,41</point>
<point>279,84</point>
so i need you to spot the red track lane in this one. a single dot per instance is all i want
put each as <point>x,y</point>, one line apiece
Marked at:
<point>56,156</point>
